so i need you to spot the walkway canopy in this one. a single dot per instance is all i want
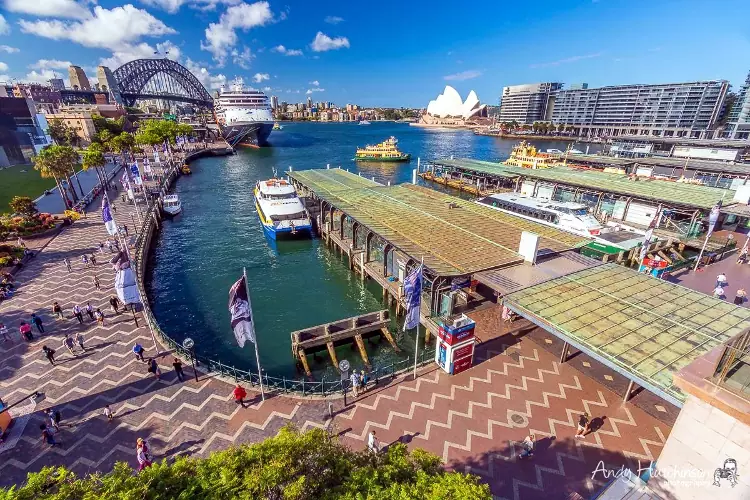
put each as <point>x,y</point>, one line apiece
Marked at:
<point>643,328</point>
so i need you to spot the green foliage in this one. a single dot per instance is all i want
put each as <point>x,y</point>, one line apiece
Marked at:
<point>289,466</point>
<point>122,143</point>
<point>56,161</point>
<point>152,132</point>
<point>114,127</point>
<point>62,134</point>
<point>93,156</point>
<point>23,205</point>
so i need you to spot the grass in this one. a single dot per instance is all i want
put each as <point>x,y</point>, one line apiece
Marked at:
<point>21,180</point>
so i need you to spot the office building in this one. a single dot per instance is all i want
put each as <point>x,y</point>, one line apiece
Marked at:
<point>738,124</point>
<point>690,109</point>
<point>78,78</point>
<point>309,102</point>
<point>108,83</point>
<point>274,102</point>
<point>527,103</point>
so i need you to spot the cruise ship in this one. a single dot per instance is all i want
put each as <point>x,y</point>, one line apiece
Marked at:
<point>244,115</point>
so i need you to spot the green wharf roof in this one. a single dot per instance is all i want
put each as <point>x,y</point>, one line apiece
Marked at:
<point>454,236</point>
<point>331,180</point>
<point>673,193</point>
<point>642,327</point>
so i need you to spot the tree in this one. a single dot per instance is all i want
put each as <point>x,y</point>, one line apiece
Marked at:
<point>153,132</point>
<point>122,144</point>
<point>23,205</point>
<point>289,466</point>
<point>57,162</point>
<point>93,157</point>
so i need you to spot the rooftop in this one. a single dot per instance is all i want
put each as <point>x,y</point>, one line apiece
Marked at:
<point>644,328</point>
<point>327,181</point>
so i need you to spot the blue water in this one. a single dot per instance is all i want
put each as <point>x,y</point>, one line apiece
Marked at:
<point>293,284</point>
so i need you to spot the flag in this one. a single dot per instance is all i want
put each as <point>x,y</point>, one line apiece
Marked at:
<point>146,166</point>
<point>744,247</point>
<point>713,217</point>
<point>649,233</point>
<point>109,222</point>
<point>156,156</point>
<point>125,181</point>
<point>241,312</point>
<point>413,294</point>
<point>136,174</point>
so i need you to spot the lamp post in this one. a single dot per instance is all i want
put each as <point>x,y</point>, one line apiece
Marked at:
<point>189,344</point>
<point>730,237</point>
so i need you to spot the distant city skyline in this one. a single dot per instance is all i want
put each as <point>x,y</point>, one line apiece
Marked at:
<point>342,53</point>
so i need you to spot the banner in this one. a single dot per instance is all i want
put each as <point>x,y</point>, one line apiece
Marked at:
<point>413,294</point>
<point>136,174</point>
<point>649,233</point>
<point>156,156</point>
<point>713,217</point>
<point>241,312</point>
<point>109,222</point>
<point>147,166</point>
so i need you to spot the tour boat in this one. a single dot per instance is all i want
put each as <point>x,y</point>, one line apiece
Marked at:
<point>277,126</point>
<point>172,204</point>
<point>527,156</point>
<point>385,151</point>
<point>280,210</point>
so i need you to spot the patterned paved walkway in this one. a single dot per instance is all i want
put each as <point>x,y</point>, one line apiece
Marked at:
<point>474,421</point>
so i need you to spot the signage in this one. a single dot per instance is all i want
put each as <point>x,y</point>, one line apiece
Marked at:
<point>452,339</point>
<point>463,351</point>
<point>654,264</point>
<point>461,365</point>
<point>442,355</point>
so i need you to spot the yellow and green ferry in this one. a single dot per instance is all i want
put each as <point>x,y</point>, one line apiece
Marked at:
<point>385,151</point>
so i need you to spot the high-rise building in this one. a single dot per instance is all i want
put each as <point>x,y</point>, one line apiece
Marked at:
<point>108,83</point>
<point>274,103</point>
<point>738,124</point>
<point>309,102</point>
<point>689,109</point>
<point>78,78</point>
<point>527,103</point>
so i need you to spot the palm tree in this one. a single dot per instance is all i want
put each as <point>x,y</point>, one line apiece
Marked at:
<point>93,156</point>
<point>56,162</point>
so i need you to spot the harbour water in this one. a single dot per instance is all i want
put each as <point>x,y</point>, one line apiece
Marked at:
<point>293,284</point>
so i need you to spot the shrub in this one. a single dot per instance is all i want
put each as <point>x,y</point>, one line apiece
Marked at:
<point>5,261</point>
<point>72,215</point>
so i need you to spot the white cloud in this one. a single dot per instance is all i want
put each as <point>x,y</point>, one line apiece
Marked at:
<point>211,82</point>
<point>50,64</point>
<point>44,76</point>
<point>222,36</point>
<point>316,89</point>
<point>287,52</point>
<point>323,42</point>
<point>106,28</point>
<point>242,58</point>
<point>49,8</point>
<point>172,6</point>
<point>267,89</point>
<point>131,52</point>
<point>333,19</point>
<point>259,77</point>
<point>8,49</point>
<point>3,66</point>
<point>464,75</point>
<point>315,82</point>
<point>4,26</point>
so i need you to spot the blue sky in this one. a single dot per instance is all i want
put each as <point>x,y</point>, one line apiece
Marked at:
<point>386,53</point>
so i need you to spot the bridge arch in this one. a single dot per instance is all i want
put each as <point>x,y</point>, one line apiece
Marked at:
<point>160,79</point>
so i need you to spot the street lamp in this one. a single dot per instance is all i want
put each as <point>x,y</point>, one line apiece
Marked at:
<point>189,344</point>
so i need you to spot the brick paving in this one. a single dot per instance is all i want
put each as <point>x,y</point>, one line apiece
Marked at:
<point>474,421</point>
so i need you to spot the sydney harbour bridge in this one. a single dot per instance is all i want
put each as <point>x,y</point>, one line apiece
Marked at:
<point>161,79</point>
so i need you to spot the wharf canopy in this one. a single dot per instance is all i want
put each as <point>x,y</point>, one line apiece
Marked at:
<point>643,328</point>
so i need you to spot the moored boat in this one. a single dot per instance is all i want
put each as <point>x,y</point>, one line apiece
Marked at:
<point>385,151</point>
<point>280,210</point>
<point>172,204</point>
<point>363,122</point>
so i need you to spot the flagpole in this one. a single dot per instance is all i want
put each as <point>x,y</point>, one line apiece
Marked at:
<point>255,344</point>
<point>698,260</point>
<point>416,336</point>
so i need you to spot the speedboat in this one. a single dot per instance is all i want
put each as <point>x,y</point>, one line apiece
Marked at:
<point>280,210</point>
<point>172,204</point>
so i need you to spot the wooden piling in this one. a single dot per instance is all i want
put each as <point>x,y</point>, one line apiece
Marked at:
<point>332,353</point>
<point>303,357</point>
<point>387,334</point>
<point>362,351</point>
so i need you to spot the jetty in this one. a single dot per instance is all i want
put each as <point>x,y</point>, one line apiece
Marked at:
<point>345,331</point>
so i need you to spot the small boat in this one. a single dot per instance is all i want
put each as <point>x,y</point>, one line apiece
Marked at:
<point>554,151</point>
<point>171,204</point>
<point>186,169</point>
<point>277,126</point>
<point>576,152</point>
<point>280,210</point>
<point>385,151</point>
<point>363,122</point>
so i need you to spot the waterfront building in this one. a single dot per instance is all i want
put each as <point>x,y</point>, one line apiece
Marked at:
<point>691,109</point>
<point>22,130</point>
<point>738,124</point>
<point>528,103</point>
<point>80,121</point>
<point>78,78</point>
<point>108,83</point>
<point>274,103</point>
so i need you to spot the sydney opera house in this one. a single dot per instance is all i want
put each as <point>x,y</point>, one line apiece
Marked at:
<point>450,109</point>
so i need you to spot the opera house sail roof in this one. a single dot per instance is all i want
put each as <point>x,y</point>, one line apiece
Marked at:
<point>450,104</point>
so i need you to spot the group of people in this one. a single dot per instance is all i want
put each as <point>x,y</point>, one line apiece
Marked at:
<point>740,296</point>
<point>358,381</point>
<point>51,427</point>
<point>7,286</point>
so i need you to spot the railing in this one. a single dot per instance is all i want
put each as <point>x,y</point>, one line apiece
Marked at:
<point>282,384</point>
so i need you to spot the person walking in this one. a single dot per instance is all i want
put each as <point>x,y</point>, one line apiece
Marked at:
<point>57,310</point>
<point>138,350</point>
<point>96,283</point>
<point>69,344</point>
<point>142,456</point>
<point>584,426</point>
<point>99,316</point>
<point>153,367</point>
<point>37,321</point>
<point>53,422</point>
<point>92,258</point>
<point>740,296</point>
<point>4,332</point>
<point>67,264</point>
<point>108,413</point>
<point>49,353</point>
<point>90,310</point>
<point>80,339</point>
<point>85,260</point>
<point>109,245</point>
<point>239,393</point>
<point>25,330</point>
<point>528,446</point>
<point>721,280</point>
<point>48,436</point>
<point>719,292</point>
<point>363,379</point>
<point>354,379</point>
<point>101,247</point>
<point>115,303</point>
<point>372,443</point>
<point>125,228</point>
<point>178,369</point>
<point>78,313</point>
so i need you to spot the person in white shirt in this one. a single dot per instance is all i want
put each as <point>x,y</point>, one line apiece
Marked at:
<point>4,332</point>
<point>719,292</point>
<point>721,280</point>
<point>372,442</point>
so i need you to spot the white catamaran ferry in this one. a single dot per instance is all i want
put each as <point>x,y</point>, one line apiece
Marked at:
<point>280,210</point>
<point>565,215</point>
<point>172,204</point>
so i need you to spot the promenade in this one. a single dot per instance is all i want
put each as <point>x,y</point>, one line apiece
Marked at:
<point>474,421</point>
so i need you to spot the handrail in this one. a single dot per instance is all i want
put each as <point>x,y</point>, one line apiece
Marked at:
<point>274,383</point>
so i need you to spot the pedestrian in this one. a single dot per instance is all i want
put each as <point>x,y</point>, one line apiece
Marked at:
<point>37,321</point>
<point>101,247</point>
<point>57,310</point>
<point>178,369</point>
<point>115,303</point>
<point>57,416</point>
<point>142,456</point>
<point>93,259</point>
<point>363,379</point>
<point>108,413</point>
<point>69,344</point>
<point>96,283</point>
<point>372,443</point>
<point>742,258</point>
<point>50,353</point>
<point>109,245</point>
<point>53,423</point>
<point>528,446</point>
<point>739,297</point>
<point>721,280</point>
<point>47,436</point>
<point>125,228</point>
<point>114,208</point>
<point>85,260</point>
<point>80,339</point>
<point>138,350</point>
<point>354,379</point>
<point>4,332</point>
<point>25,330</point>
<point>78,313</point>
<point>719,292</point>
<point>90,310</point>
<point>584,426</point>
<point>239,394</point>
<point>99,316</point>
<point>153,367</point>
<point>67,264</point>
<point>20,242</point>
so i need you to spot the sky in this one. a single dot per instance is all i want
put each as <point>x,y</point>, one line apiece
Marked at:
<point>386,53</point>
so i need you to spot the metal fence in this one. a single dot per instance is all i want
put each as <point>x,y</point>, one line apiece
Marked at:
<point>381,374</point>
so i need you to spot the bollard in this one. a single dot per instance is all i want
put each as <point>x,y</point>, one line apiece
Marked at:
<point>414,176</point>
<point>418,161</point>
<point>328,166</point>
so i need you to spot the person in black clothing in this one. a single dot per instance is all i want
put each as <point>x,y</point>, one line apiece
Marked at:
<point>37,323</point>
<point>178,369</point>
<point>115,303</point>
<point>50,353</point>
